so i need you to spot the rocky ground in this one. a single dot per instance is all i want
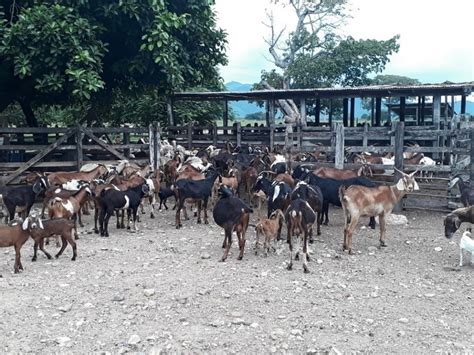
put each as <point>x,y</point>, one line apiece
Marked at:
<point>163,289</point>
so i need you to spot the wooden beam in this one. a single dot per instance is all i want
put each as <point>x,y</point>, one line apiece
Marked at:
<point>38,157</point>
<point>330,113</point>
<point>372,111</point>
<point>345,111</point>
<point>402,108</point>
<point>151,142</point>
<point>226,113</point>
<point>422,114</point>
<point>339,159</point>
<point>436,111</point>
<point>317,112</point>
<point>104,145</point>
<point>352,113</point>
<point>169,109</point>
<point>303,112</point>
<point>378,111</point>
<point>157,144</point>
<point>418,116</point>
<point>463,104</point>
<point>79,150</point>
<point>398,151</point>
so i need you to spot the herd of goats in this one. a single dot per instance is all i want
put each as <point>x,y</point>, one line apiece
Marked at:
<point>230,181</point>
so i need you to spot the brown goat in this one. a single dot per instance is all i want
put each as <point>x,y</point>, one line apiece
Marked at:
<point>360,201</point>
<point>69,207</point>
<point>62,177</point>
<point>338,174</point>
<point>14,235</point>
<point>268,227</point>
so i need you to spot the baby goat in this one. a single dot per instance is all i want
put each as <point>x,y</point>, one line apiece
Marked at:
<point>466,243</point>
<point>14,235</point>
<point>268,227</point>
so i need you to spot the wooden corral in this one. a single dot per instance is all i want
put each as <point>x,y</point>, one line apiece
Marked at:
<point>50,149</point>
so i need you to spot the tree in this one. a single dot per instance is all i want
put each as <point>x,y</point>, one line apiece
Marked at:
<point>83,50</point>
<point>314,54</point>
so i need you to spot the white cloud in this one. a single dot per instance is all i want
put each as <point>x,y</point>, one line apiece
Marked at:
<point>435,37</point>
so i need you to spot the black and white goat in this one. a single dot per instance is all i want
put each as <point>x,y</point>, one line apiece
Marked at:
<point>314,196</point>
<point>20,199</point>
<point>467,194</point>
<point>112,199</point>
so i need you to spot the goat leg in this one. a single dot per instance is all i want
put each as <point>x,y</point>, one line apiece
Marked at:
<point>199,207</point>
<point>17,267</point>
<point>305,253</point>
<point>62,247</point>
<point>372,222</point>
<point>290,246</point>
<point>206,221</point>
<point>80,218</point>
<point>241,237</point>
<point>228,236</point>
<point>41,246</point>
<point>382,230</point>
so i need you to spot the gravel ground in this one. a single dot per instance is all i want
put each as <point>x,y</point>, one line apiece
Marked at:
<point>163,289</point>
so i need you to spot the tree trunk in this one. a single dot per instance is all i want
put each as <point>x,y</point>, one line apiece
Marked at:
<point>30,117</point>
<point>288,107</point>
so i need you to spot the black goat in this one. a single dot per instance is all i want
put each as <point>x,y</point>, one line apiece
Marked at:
<point>300,218</point>
<point>330,190</point>
<point>232,214</point>
<point>453,221</point>
<point>21,198</point>
<point>279,168</point>
<point>164,194</point>
<point>467,194</point>
<point>301,171</point>
<point>112,199</point>
<point>314,196</point>
<point>196,190</point>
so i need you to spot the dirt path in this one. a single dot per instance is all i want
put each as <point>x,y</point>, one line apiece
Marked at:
<point>164,289</point>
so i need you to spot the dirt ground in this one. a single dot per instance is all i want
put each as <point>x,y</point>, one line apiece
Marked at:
<point>163,290</point>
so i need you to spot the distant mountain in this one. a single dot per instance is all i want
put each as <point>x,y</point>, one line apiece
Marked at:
<point>243,108</point>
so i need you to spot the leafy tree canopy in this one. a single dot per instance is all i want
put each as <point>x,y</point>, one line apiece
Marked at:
<point>82,51</point>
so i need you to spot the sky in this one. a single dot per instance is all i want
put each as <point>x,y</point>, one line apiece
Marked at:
<point>436,41</point>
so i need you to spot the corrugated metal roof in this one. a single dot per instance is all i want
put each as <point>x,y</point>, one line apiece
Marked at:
<point>339,92</point>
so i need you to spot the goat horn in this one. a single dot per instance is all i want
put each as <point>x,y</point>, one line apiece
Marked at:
<point>401,172</point>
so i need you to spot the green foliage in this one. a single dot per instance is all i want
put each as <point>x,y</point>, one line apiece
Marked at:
<point>56,49</point>
<point>394,80</point>
<point>82,51</point>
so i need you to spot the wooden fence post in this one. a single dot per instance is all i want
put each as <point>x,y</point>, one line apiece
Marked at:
<point>156,148</point>
<point>79,151</point>
<point>272,137</point>
<point>214,135</point>
<point>471,180</point>
<point>126,140</point>
<point>151,143</point>
<point>398,152</point>
<point>169,109</point>
<point>365,137</point>
<point>298,137</point>
<point>190,135</point>
<point>339,159</point>
<point>238,134</point>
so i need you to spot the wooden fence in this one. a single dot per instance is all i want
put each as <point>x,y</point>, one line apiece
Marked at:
<point>39,149</point>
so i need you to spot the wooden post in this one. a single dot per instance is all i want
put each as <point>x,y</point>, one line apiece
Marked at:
<point>422,117</point>
<point>378,111</point>
<point>298,137</point>
<point>372,111</point>
<point>398,151</point>
<point>169,109</point>
<point>79,151</point>
<point>238,134</point>
<point>471,181</point>
<point>317,113</point>
<point>272,137</point>
<point>339,156</point>
<point>436,110</point>
<point>418,112</point>
<point>303,112</point>
<point>157,145</point>
<point>365,137</point>
<point>330,113</point>
<point>151,144</point>
<point>126,140</point>
<point>267,113</point>
<point>190,135</point>
<point>271,111</point>
<point>226,113</point>
<point>463,104</point>
<point>214,135</point>
<point>345,111</point>
<point>352,113</point>
<point>402,108</point>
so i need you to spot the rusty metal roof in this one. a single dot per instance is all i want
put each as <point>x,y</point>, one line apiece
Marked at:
<point>338,92</point>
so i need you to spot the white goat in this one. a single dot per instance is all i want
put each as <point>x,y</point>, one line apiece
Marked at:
<point>466,243</point>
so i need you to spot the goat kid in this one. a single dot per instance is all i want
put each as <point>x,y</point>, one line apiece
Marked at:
<point>466,244</point>
<point>268,228</point>
<point>453,221</point>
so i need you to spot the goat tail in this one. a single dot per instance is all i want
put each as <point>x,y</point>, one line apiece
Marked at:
<point>342,191</point>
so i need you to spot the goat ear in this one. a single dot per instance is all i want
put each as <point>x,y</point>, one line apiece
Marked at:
<point>415,185</point>
<point>24,225</point>
<point>457,223</point>
<point>401,185</point>
<point>40,222</point>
